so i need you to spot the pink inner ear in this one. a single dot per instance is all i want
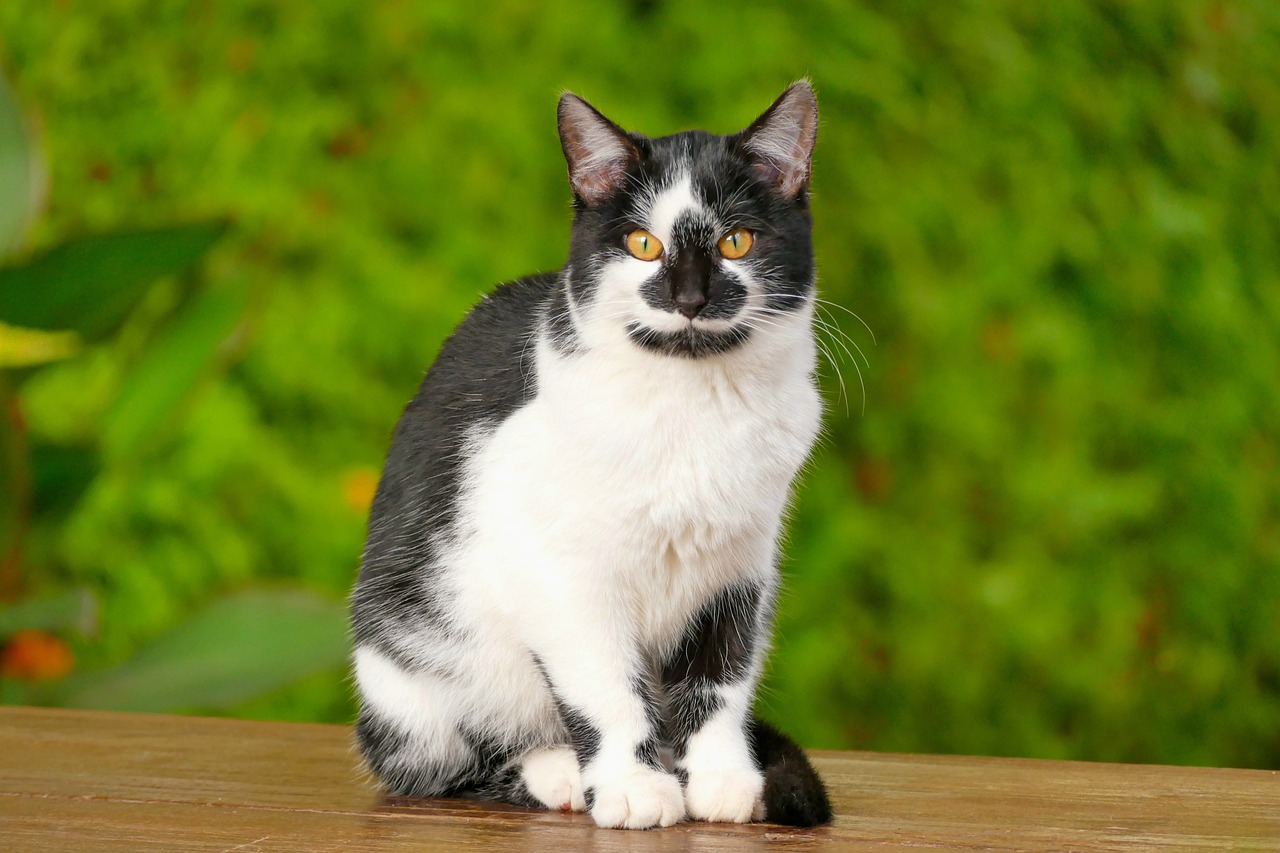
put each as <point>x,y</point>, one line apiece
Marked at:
<point>769,172</point>
<point>781,155</point>
<point>781,141</point>
<point>596,186</point>
<point>597,150</point>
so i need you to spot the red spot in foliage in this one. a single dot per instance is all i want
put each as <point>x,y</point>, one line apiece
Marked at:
<point>35,656</point>
<point>241,55</point>
<point>997,340</point>
<point>348,143</point>
<point>1220,19</point>
<point>874,479</point>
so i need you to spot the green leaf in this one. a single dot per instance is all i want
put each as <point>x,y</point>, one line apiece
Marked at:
<point>237,649</point>
<point>15,488</point>
<point>74,609</point>
<point>90,284</point>
<point>21,348</point>
<point>20,178</point>
<point>60,475</point>
<point>172,366</point>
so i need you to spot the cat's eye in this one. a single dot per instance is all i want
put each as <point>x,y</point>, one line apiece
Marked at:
<point>644,245</point>
<point>735,244</point>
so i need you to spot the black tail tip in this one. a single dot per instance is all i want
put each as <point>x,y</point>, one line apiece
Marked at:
<point>795,796</point>
<point>793,792</point>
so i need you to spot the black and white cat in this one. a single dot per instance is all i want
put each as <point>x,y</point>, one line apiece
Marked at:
<point>568,585</point>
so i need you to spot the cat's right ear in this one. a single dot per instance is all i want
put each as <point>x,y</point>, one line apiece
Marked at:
<point>597,150</point>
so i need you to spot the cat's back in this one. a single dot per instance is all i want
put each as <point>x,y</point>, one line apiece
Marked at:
<point>483,366</point>
<point>482,374</point>
<point>484,369</point>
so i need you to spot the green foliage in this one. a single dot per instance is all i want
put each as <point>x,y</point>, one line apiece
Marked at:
<point>235,650</point>
<point>69,610</point>
<point>91,284</point>
<point>20,174</point>
<point>1055,531</point>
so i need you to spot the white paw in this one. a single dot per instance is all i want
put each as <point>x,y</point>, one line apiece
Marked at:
<point>552,777</point>
<point>638,800</point>
<point>725,796</point>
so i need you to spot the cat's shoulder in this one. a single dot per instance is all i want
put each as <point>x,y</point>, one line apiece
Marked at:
<point>498,325</point>
<point>512,306</point>
<point>483,366</point>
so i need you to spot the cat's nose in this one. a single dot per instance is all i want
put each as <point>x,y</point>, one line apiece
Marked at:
<point>690,302</point>
<point>690,272</point>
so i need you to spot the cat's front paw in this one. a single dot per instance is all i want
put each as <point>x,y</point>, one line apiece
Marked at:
<point>552,778</point>
<point>640,799</point>
<point>725,796</point>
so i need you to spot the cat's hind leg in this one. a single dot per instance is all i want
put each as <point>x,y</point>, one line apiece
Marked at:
<point>410,729</point>
<point>416,732</point>
<point>551,776</point>
<point>546,777</point>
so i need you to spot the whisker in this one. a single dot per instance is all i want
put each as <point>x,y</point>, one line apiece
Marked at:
<point>852,314</point>
<point>837,337</point>
<point>836,330</point>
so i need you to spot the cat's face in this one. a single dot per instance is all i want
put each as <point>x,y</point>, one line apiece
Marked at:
<point>693,244</point>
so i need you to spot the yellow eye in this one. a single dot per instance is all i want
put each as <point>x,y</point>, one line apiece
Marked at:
<point>735,244</point>
<point>644,245</point>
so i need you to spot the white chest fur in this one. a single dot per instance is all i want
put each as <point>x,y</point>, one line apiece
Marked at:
<point>663,479</point>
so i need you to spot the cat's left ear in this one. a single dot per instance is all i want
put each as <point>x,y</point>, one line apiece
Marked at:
<point>597,150</point>
<point>780,143</point>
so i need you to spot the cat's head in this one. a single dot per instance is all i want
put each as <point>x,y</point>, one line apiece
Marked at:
<point>691,244</point>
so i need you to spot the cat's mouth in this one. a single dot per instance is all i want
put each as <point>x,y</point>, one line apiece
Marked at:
<point>689,342</point>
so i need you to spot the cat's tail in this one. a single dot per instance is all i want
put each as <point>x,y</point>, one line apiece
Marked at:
<point>793,793</point>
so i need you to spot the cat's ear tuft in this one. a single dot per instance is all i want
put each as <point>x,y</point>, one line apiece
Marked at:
<point>780,143</point>
<point>597,150</point>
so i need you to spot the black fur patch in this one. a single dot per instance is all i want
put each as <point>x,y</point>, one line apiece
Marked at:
<point>506,786</point>
<point>391,755</point>
<point>716,649</point>
<point>719,641</point>
<point>583,736</point>
<point>690,343</point>
<point>647,749</point>
<point>489,771</point>
<point>482,374</point>
<point>647,753</point>
<point>793,792</point>
<point>689,705</point>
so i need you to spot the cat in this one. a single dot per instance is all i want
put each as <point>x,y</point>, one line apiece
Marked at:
<point>571,566</point>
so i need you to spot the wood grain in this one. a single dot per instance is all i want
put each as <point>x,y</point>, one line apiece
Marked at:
<point>92,781</point>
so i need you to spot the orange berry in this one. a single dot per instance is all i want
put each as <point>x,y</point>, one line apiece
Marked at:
<point>358,488</point>
<point>35,656</point>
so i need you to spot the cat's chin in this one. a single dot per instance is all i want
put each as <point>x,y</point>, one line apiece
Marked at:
<point>689,342</point>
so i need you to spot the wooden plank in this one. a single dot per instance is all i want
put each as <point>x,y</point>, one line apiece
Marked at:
<point>81,780</point>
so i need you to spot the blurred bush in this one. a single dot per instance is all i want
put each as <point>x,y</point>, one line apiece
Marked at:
<point>51,304</point>
<point>1054,532</point>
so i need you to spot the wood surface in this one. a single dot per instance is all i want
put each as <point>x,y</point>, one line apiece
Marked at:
<point>93,781</point>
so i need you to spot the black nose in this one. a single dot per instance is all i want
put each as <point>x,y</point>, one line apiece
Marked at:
<point>690,302</point>
<point>690,276</point>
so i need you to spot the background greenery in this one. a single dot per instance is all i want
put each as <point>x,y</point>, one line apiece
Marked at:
<point>1055,530</point>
